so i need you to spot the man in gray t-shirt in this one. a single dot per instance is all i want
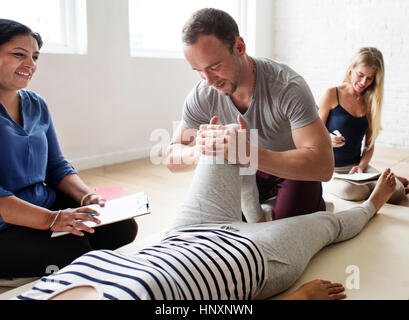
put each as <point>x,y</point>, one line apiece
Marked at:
<point>281,102</point>
<point>294,151</point>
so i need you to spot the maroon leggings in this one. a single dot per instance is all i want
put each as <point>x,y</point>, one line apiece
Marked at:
<point>293,197</point>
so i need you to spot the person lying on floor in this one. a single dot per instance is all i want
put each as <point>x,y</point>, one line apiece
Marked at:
<point>210,253</point>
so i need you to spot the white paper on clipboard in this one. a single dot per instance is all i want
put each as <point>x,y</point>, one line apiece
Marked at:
<point>117,210</point>
<point>358,177</point>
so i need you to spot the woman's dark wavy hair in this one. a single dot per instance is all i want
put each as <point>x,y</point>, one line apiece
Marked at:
<point>210,21</point>
<point>9,29</point>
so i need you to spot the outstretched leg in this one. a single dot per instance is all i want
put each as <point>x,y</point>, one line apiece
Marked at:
<point>326,290</point>
<point>214,195</point>
<point>289,244</point>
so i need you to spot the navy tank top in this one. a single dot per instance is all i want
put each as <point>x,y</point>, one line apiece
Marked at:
<point>353,129</point>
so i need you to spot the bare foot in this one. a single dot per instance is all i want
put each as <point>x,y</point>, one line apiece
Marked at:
<point>404,181</point>
<point>383,190</point>
<point>318,290</point>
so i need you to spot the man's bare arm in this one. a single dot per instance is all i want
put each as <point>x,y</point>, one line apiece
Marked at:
<point>312,160</point>
<point>182,154</point>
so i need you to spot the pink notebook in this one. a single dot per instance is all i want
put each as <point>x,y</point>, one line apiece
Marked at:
<point>110,193</point>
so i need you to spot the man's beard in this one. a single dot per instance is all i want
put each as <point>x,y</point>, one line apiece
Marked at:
<point>233,89</point>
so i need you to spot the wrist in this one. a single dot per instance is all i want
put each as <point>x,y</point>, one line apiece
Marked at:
<point>86,197</point>
<point>362,167</point>
<point>190,155</point>
<point>51,215</point>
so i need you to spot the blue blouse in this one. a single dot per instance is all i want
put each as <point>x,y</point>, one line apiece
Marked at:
<point>31,161</point>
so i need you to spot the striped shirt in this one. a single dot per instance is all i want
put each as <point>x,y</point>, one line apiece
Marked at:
<point>193,264</point>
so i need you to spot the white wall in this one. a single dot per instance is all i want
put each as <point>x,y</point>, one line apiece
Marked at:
<point>259,27</point>
<point>318,37</point>
<point>106,104</point>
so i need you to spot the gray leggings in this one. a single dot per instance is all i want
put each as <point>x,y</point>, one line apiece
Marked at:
<point>214,200</point>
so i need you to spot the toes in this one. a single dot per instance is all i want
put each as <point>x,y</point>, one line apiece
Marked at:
<point>334,289</point>
<point>335,284</point>
<point>384,175</point>
<point>391,178</point>
<point>337,289</point>
<point>338,296</point>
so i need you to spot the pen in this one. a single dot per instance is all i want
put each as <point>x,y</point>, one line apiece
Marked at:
<point>337,134</point>
<point>88,213</point>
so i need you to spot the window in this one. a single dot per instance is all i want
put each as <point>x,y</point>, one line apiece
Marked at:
<point>61,23</point>
<point>155,26</point>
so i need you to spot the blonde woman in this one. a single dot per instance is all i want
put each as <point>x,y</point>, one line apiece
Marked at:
<point>352,114</point>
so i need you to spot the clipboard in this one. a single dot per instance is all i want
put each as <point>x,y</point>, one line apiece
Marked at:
<point>358,178</point>
<point>116,210</point>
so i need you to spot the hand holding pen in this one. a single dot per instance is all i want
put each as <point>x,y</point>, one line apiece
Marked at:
<point>71,220</point>
<point>337,139</point>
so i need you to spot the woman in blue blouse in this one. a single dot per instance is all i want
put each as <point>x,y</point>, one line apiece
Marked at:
<point>36,183</point>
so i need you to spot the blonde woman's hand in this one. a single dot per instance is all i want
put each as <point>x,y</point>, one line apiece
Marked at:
<point>356,169</point>
<point>71,220</point>
<point>337,141</point>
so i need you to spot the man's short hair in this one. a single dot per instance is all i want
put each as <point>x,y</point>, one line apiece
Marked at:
<point>210,21</point>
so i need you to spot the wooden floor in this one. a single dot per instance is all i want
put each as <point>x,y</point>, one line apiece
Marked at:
<point>167,190</point>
